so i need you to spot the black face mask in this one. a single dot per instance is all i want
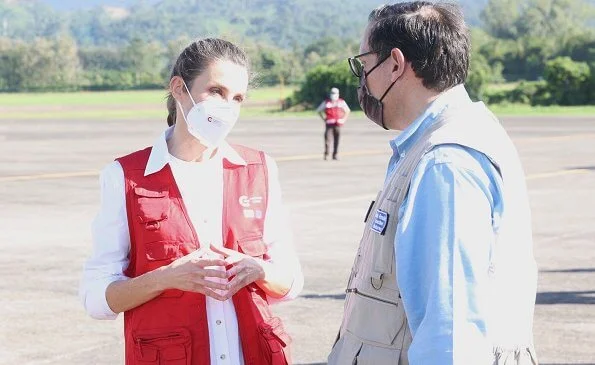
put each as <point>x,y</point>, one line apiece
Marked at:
<point>372,107</point>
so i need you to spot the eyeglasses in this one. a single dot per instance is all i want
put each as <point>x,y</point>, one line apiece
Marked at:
<point>357,67</point>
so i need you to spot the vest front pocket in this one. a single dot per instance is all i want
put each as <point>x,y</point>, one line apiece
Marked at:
<point>374,355</point>
<point>273,339</point>
<point>161,253</point>
<point>163,347</point>
<point>373,319</point>
<point>345,350</point>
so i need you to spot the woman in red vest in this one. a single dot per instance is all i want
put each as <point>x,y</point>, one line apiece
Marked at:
<point>191,242</point>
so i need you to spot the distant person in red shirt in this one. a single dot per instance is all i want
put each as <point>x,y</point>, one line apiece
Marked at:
<point>334,111</point>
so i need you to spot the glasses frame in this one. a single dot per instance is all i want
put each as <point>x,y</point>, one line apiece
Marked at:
<point>354,59</point>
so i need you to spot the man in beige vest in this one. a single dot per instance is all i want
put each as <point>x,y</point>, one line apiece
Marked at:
<point>445,272</point>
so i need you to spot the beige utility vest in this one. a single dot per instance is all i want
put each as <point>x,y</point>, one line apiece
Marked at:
<point>375,329</point>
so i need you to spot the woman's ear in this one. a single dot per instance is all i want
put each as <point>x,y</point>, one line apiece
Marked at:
<point>176,87</point>
<point>397,60</point>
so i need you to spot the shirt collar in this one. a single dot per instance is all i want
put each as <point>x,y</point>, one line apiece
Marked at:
<point>160,156</point>
<point>405,139</point>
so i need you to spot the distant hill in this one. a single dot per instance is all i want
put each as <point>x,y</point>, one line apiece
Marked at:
<point>472,7</point>
<point>284,23</point>
<point>70,5</point>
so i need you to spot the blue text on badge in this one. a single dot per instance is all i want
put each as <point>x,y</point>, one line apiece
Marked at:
<point>380,221</point>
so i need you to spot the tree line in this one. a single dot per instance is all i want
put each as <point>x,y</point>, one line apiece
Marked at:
<point>59,64</point>
<point>545,47</point>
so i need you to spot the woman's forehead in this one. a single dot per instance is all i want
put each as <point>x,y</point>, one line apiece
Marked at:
<point>229,74</point>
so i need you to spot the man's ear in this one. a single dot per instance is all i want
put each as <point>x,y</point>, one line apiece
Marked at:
<point>176,87</point>
<point>397,60</point>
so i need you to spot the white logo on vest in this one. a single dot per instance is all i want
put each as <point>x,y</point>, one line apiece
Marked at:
<point>248,202</point>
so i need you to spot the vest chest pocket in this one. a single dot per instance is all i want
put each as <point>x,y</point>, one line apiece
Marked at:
<point>151,207</point>
<point>159,347</point>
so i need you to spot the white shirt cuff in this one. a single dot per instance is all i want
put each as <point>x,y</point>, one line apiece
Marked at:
<point>94,300</point>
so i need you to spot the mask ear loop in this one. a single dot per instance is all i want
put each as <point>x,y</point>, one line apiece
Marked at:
<point>387,90</point>
<point>182,110</point>
<point>180,104</point>
<point>380,101</point>
<point>188,90</point>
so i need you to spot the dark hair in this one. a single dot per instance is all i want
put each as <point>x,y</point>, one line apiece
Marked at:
<point>195,59</point>
<point>432,36</point>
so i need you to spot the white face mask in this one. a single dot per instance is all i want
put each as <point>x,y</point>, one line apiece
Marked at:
<point>334,97</point>
<point>211,120</point>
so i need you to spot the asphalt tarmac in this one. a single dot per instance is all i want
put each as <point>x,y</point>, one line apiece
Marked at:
<point>49,193</point>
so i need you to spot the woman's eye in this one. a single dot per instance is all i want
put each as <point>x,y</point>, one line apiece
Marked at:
<point>216,91</point>
<point>239,99</point>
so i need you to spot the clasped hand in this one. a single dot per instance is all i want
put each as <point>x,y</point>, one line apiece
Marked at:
<point>217,272</point>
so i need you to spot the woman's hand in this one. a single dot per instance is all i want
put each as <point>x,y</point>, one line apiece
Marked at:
<point>192,272</point>
<point>244,269</point>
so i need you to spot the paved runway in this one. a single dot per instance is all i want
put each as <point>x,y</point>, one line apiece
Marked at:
<point>49,194</point>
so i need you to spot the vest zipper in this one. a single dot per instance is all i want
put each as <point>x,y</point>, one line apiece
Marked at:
<point>357,292</point>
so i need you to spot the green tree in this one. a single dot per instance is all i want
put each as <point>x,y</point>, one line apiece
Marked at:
<point>481,74</point>
<point>321,79</point>
<point>591,85</point>
<point>171,52</point>
<point>500,18</point>
<point>40,65</point>
<point>273,66</point>
<point>146,62</point>
<point>568,81</point>
<point>528,33</point>
<point>10,58</point>
<point>68,70</point>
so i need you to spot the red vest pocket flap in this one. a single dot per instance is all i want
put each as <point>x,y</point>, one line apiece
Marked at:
<point>272,329</point>
<point>253,246</point>
<point>160,193</point>
<point>152,205</point>
<point>162,250</point>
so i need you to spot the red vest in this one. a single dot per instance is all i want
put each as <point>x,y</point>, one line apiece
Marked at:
<point>333,112</point>
<point>172,328</point>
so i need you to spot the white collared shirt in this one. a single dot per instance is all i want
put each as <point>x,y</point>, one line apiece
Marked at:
<point>204,202</point>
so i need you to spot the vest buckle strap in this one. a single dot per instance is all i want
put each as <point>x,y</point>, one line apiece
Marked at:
<point>377,280</point>
<point>153,226</point>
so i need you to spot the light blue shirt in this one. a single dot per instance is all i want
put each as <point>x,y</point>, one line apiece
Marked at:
<point>444,242</point>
